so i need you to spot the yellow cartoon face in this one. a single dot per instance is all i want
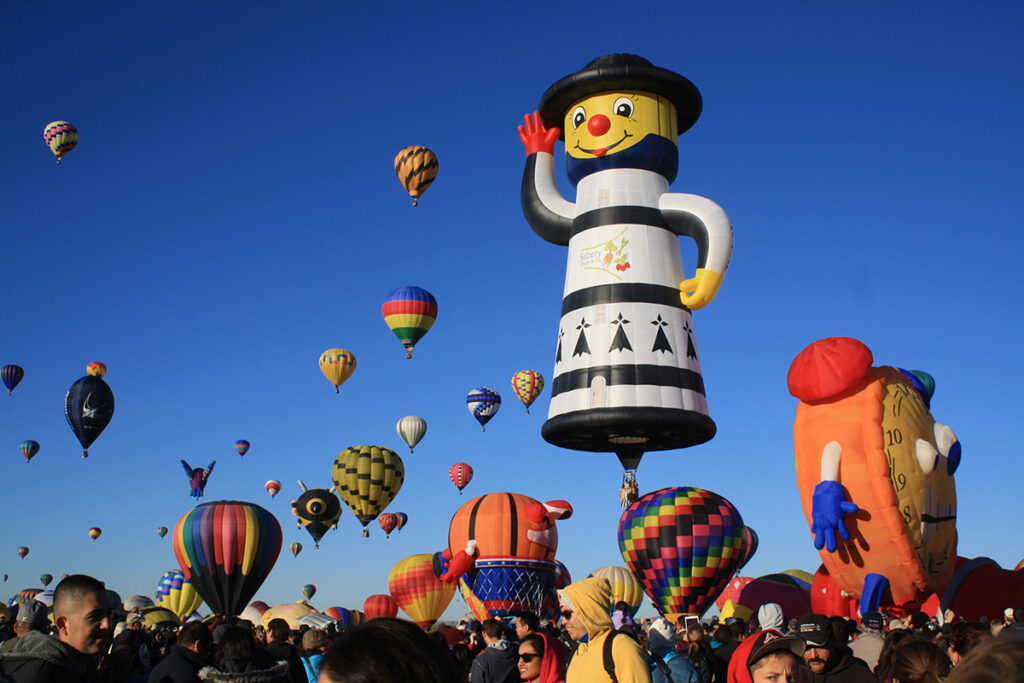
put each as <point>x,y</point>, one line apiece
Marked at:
<point>607,123</point>
<point>922,455</point>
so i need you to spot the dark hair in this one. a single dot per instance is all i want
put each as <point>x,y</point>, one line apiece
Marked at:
<point>529,620</point>
<point>195,632</point>
<point>919,661</point>
<point>462,655</point>
<point>385,650</point>
<point>1018,613</point>
<point>235,651</point>
<point>278,629</point>
<point>492,628</point>
<point>622,606</point>
<point>884,667</point>
<point>72,588</point>
<point>695,646</point>
<point>116,667</point>
<point>536,640</point>
<point>966,635</point>
<point>997,660</point>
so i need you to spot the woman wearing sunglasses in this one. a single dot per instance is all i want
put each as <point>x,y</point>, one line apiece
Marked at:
<point>541,659</point>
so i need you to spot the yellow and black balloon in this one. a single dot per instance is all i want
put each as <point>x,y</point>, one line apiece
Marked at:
<point>416,168</point>
<point>318,511</point>
<point>367,478</point>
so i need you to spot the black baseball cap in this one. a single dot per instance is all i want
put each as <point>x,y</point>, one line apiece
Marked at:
<point>815,629</point>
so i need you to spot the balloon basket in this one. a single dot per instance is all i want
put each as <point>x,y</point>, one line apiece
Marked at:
<point>366,533</point>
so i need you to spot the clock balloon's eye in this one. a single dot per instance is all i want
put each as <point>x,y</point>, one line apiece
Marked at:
<point>953,459</point>
<point>927,456</point>
<point>578,117</point>
<point>623,107</point>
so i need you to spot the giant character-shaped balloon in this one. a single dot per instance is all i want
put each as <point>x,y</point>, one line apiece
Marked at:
<point>318,510</point>
<point>627,375</point>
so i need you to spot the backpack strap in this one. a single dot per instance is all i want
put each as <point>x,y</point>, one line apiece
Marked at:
<point>662,667</point>
<point>609,663</point>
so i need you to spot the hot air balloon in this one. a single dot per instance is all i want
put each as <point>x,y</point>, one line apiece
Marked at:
<point>418,591</point>
<point>291,612</point>
<point>416,168</point>
<point>411,428</point>
<point>483,403</point>
<point>380,605</point>
<point>624,587</point>
<point>309,590</point>
<point>528,385</point>
<point>162,531</point>
<point>254,612</point>
<point>88,406</point>
<point>782,589</point>
<point>343,616</point>
<point>273,487</point>
<point>96,369</point>
<point>388,521</point>
<point>29,448</point>
<point>6,577</point>
<point>404,518</point>
<point>226,549</point>
<point>23,551</point>
<point>318,510</point>
<point>177,594</point>
<point>296,548</point>
<point>337,366</point>
<point>410,312</point>
<point>198,477</point>
<point>367,478</point>
<point>95,532</point>
<point>159,616</point>
<point>461,474</point>
<point>61,137</point>
<point>24,595</point>
<point>683,544</point>
<point>750,543</point>
<point>45,579</point>
<point>11,375</point>
<point>242,446</point>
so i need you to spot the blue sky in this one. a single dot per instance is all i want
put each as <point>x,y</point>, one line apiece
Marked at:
<point>231,211</point>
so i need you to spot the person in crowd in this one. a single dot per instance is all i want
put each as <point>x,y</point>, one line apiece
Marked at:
<point>766,657</point>
<point>31,617</point>
<point>121,666</point>
<point>769,616</point>
<point>236,660</point>
<point>622,619</point>
<point>670,666</point>
<point>465,660</point>
<point>723,644</point>
<point>386,650</point>
<point>280,648</point>
<point>916,660</point>
<point>869,644</point>
<point>81,614</point>
<point>695,648</point>
<point>883,670</point>
<point>541,659</point>
<point>585,618</point>
<point>825,659</point>
<point>997,660</point>
<point>964,636</point>
<point>314,642</point>
<point>527,623</point>
<point>497,662</point>
<point>186,657</point>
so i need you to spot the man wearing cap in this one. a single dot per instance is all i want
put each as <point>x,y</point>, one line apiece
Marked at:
<point>31,617</point>
<point>868,645</point>
<point>824,659</point>
<point>585,616</point>
<point>766,657</point>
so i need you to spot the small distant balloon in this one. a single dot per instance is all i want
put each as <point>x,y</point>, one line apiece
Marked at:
<point>11,375</point>
<point>96,369</point>
<point>197,477</point>
<point>416,168</point>
<point>95,532</point>
<point>273,487</point>
<point>410,312</point>
<point>528,385</point>
<point>29,448</point>
<point>337,366</point>
<point>461,474</point>
<point>483,404</point>
<point>6,577</point>
<point>411,428</point>
<point>388,522</point>
<point>309,590</point>
<point>61,137</point>
<point>242,446</point>
<point>162,531</point>
<point>46,579</point>
<point>402,520</point>
<point>23,551</point>
<point>296,548</point>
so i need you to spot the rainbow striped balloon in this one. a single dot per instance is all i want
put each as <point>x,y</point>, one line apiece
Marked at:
<point>226,549</point>
<point>177,594</point>
<point>410,312</point>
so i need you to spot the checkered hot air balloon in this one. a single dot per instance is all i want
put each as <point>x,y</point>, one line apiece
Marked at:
<point>483,404</point>
<point>528,385</point>
<point>683,544</point>
<point>61,137</point>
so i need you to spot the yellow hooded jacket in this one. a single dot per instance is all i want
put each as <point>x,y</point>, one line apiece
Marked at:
<point>590,599</point>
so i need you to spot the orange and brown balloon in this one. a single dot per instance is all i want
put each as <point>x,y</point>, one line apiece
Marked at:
<point>416,168</point>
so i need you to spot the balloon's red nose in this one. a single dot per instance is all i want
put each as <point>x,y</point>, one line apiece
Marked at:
<point>598,124</point>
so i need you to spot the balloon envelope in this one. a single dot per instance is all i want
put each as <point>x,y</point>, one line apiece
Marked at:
<point>177,594</point>
<point>45,579</point>
<point>227,549</point>
<point>296,548</point>
<point>162,530</point>
<point>483,404</point>
<point>461,474</point>
<point>528,385</point>
<point>403,519</point>
<point>411,428</point>
<point>388,521</point>
<point>309,590</point>
<point>273,487</point>
<point>416,168</point>
<point>624,587</point>
<point>242,446</point>
<point>23,551</point>
<point>410,312</point>
<point>418,591</point>
<point>88,407</point>
<point>11,375</point>
<point>380,605</point>
<point>29,448</point>
<point>61,137</point>
<point>750,542</point>
<point>367,478</point>
<point>318,511</point>
<point>95,532</point>
<point>337,366</point>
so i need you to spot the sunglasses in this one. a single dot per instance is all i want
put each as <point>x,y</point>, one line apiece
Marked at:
<point>567,614</point>
<point>528,656</point>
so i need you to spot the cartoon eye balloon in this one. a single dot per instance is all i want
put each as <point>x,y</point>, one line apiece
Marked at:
<point>318,510</point>
<point>61,137</point>
<point>416,168</point>
<point>410,312</point>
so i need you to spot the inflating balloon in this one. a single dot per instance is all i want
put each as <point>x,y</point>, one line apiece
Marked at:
<point>296,548</point>
<point>11,375</point>
<point>418,591</point>
<point>95,532</point>
<point>162,531</point>
<point>309,590</point>
<point>273,487</point>
<point>45,579</point>
<point>291,612</point>
<point>318,511</point>
<point>254,612</point>
<point>61,137</point>
<point>793,598</point>
<point>337,366</point>
<point>627,377</point>
<point>410,312</point>
<point>88,406</point>
<point>528,385</point>
<point>24,595</point>
<point>176,593</point>
<point>403,519</point>
<point>380,605</point>
<point>226,549</point>
<point>23,551</point>
<point>29,448</point>
<point>483,404</point>
<point>461,474</point>
<point>242,446</point>
<point>388,521</point>
<point>158,615</point>
<point>367,478</point>
<point>416,168</point>
<point>683,544</point>
<point>625,588</point>
<point>198,477</point>
<point>411,428</point>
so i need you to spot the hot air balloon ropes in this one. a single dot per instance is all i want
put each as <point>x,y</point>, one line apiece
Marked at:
<point>61,137</point>
<point>226,549</point>
<point>89,405</point>
<point>318,510</point>
<point>501,549</point>
<point>337,366</point>
<point>416,168</point>
<point>627,376</point>
<point>409,312</point>
<point>367,478</point>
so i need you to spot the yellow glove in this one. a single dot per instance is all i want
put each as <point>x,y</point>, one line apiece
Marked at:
<point>700,289</point>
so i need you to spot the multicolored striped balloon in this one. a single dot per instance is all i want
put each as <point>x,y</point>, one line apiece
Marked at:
<point>416,168</point>
<point>344,616</point>
<point>683,544</point>
<point>242,446</point>
<point>418,591</point>
<point>177,594</point>
<point>11,375</point>
<point>483,404</point>
<point>528,385</point>
<point>227,549</point>
<point>61,137</point>
<point>403,519</point>
<point>410,312</point>
<point>29,448</point>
